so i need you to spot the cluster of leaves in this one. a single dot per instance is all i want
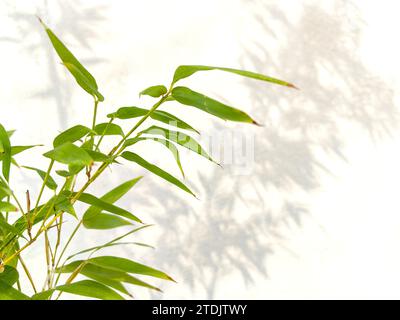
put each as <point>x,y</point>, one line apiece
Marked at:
<point>79,151</point>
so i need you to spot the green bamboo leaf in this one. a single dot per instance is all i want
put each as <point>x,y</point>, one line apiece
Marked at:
<point>84,82</point>
<point>70,154</point>
<point>158,115</point>
<point>7,292</point>
<point>156,170</point>
<point>50,183</point>
<point>186,71</point>
<point>191,98</point>
<point>7,228</point>
<point>4,192</point>
<point>63,173</point>
<point>90,288</point>
<point>180,138</point>
<point>18,149</point>
<point>67,57</point>
<point>109,129</point>
<point>71,135</point>
<point>88,144</point>
<point>5,150</point>
<point>9,275</point>
<point>168,144</point>
<point>99,156</point>
<point>128,266</point>
<point>101,204</point>
<point>7,207</point>
<point>117,285</point>
<point>114,244</point>
<point>154,91</point>
<point>44,295</point>
<point>110,197</point>
<point>10,133</point>
<point>98,273</point>
<point>110,243</point>
<point>63,203</point>
<point>105,221</point>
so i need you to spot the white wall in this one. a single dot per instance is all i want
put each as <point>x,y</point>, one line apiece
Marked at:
<point>316,216</point>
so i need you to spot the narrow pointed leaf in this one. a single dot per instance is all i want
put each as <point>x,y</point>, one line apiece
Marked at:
<point>98,272</point>
<point>109,207</point>
<point>186,71</point>
<point>168,144</point>
<point>180,138</point>
<point>128,266</point>
<point>105,221</point>
<point>63,203</point>
<point>110,197</point>
<point>66,56</point>
<point>109,129</point>
<point>70,154</point>
<point>95,249</point>
<point>191,98</point>
<point>156,170</point>
<point>63,173</point>
<point>50,183</point>
<point>158,115</point>
<point>98,156</point>
<point>90,288</point>
<point>83,81</point>
<point>117,285</point>
<point>110,243</point>
<point>18,149</point>
<point>71,135</point>
<point>5,151</point>
<point>7,207</point>
<point>154,91</point>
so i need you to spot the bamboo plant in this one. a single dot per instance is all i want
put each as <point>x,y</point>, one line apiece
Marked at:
<point>79,151</point>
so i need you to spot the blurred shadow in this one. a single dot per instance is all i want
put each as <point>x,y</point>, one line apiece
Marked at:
<point>203,243</point>
<point>242,219</point>
<point>76,24</point>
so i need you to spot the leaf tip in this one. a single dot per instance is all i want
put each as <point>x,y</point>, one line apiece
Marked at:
<point>257,124</point>
<point>40,20</point>
<point>291,85</point>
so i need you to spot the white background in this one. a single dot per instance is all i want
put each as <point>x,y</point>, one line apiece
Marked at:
<point>317,216</point>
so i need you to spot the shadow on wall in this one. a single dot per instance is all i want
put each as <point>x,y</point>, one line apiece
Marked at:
<point>318,52</point>
<point>202,242</point>
<point>76,23</point>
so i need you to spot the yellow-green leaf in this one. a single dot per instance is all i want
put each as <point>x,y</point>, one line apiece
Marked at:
<point>67,57</point>
<point>186,71</point>
<point>158,115</point>
<point>168,144</point>
<point>156,170</point>
<point>70,154</point>
<point>90,288</point>
<point>180,138</point>
<point>110,197</point>
<point>71,135</point>
<point>104,205</point>
<point>189,97</point>
<point>50,183</point>
<point>154,91</point>
<point>5,151</point>
<point>128,266</point>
